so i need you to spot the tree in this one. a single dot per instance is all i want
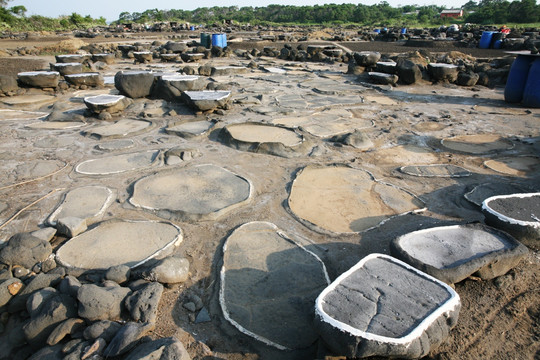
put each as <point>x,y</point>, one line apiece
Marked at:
<point>19,10</point>
<point>3,3</point>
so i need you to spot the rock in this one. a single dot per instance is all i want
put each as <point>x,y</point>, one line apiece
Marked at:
<point>135,84</point>
<point>39,282</point>
<point>107,58</point>
<point>36,300</point>
<point>387,67</point>
<point>170,87</point>
<point>228,70</point>
<point>21,272</point>
<point>71,226</point>
<point>67,68</point>
<point>57,309</point>
<point>40,79</point>
<point>143,56</point>
<point>143,303</point>
<point>104,329</point>
<point>190,306</point>
<point>408,71</point>
<point>100,303</point>
<point>126,338</point>
<point>67,327</point>
<point>383,78</point>
<point>453,253</point>
<point>45,234</point>
<point>8,84</point>
<point>74,349</point>
<point>71,58</point>
<point>367,58</point>
<point>161,349</point>
<point>468,78</point>
<point>87,79</point>
<point>8,289</point>
<point>203,316</point>
<point>69,285</point>
<point>94,350</point>
<point>119,273</point>
<point>171,270</point>
<point>205,70</point>
<point>48,353</point>
<point>206,100</point>
<point>107,103</point>
<point>357,139</point>
<point>188,70</point>
<point>443,72</point>
<point>176,47</point>
<point>384,307</point>
<point>26,250</point>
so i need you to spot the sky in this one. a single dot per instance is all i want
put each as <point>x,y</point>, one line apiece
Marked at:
<point>110,9</point>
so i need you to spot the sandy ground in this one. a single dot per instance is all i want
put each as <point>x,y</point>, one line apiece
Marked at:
<point>499,319</point>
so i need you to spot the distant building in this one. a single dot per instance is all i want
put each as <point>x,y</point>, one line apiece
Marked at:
<point>452,13</point>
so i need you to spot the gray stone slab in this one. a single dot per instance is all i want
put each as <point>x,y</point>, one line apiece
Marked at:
<point>115,145</point>
<point>88,79</point>
<point>87,202</point>
<point>435,170</point>
<point>268,286</point>
<point>453,253</point>
<point>207,99</point>
<point>120,163</point>
<point>481,192</point>
<point>108,103</point>
<point>55,125</point>
<point>16,115</point>
<point>203,192</point>
<point>517,214</point>
<point>265,138</point>
<point>120,128</point>
<point>477,144</point>
<point>384,307</point>
<point>28,102</point>
<point>190,129</point>
<point>119,242</point>
<point>341,199</point>
<point>40,79</point>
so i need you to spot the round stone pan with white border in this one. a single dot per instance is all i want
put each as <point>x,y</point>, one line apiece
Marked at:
<point>266,139</point>
<point>517,214</point>
<point>385,307</point>
<point>477,144</point>
<point>435,170</point>
<point>268,286</point>
<point>190,129</point>
<point>16,115</point>
<point>117,164</point>
<point>453,253</point>
<point>203,192</point>
<point>87,202</point>
<point>119,129</point>
<point>483,191</point>
<point>206,99</point>
<point>340,199</point>
<point>119,242</point>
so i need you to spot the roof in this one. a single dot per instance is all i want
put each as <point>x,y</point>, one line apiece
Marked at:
<point>452,11</point>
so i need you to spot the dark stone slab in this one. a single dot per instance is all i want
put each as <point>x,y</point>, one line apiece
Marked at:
<point>384,307</point>
<point>453,253</point>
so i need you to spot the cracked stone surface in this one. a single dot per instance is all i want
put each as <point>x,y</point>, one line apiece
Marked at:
<point>195,193</point>
<point>383,307</point>
<point>344,200</point>
<point>119,242</point>
<point>120,163</point>
<point>269,284</point>
<point>453,253</point>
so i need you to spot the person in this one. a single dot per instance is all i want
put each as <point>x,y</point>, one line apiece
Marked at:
<point>505,30</point>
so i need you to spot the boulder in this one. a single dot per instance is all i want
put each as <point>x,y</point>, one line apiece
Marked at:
<point>71,226</point>
<point>443,72</point>
<point>8,84</point>
<point>206,100</point>
<point>126,338</point>
<point>8,289</point>
<point>40,79</point>
<point>119,273</point>
<point>367,58</point>
<point>161,349</point>
<point>26,250</point>
<point>107,103</point>
<point>143,56</point>
<point>40,281</point>
<point>408,71</point>
<point>171,270</point>
<point>37,299</point>
<point>387,67</point>
<point>88,79</point>
<point>101,303</point>
<point>143,303</point>
<point>65,328</point>
<point>67,68</point>
<point>134,84</point>
<point>176,47</point>
<point>107,58</point>
<point>71,58</point>
<point>467,78</point>
<point>383,78</point>
<point>170,87</point>
<point>104,329</point>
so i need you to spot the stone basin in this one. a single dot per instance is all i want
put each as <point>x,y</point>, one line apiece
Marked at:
<point>88,79</point>
<point>71,58</point>
<point>108,103</point>
<point>40,79</point>
<point>517,214</point>
<point>203,192</point>
<point>67,68</point>
<point>207,99</point>
<point>384,307</point>
<point>120,128</point>
<point>477,144</point>
<point>189,129</point>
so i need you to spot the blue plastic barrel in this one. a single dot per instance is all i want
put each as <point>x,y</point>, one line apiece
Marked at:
<point>497,44</point>
<point>378,31</point>
<point>517,79</point>
<point>403,30</point>
<point>216,40</point>
<point>485,40</point>
<point>224,40</point>
<point>531,94</point>
<point>192,28</point>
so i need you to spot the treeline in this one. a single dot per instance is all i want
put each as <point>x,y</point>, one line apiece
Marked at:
<point>15,19</point>
<point>484,12</point>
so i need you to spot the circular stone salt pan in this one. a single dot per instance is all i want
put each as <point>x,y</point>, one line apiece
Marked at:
<point>477,144</point>
<point>104,99</point>
<point>38,73</point>
<point>67,64</point>
<point>82,75</point>
<point>259,133</point>
<point>171,77</point>
<point>207,95</point>
<point>435,170</point>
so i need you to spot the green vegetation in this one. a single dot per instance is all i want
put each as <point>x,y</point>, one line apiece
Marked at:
<point>484,12</point>
<point>15,19</point>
